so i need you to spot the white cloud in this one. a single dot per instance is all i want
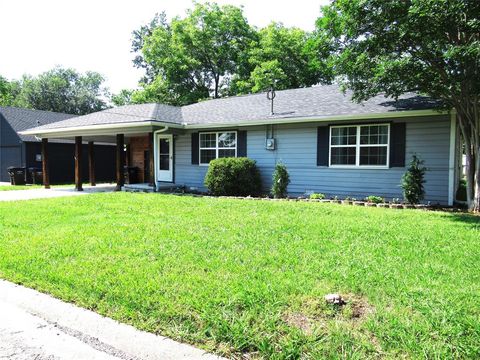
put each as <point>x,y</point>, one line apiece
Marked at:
<point>96,34</point>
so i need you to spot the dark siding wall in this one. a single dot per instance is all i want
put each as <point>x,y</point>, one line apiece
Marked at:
<point>62,162</point>
<point>9,156</point>
<point>11,152</point>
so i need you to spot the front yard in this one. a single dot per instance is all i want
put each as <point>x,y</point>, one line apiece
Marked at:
<point>248,278</point>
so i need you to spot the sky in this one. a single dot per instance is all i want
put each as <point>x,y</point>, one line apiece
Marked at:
<point>36,35</point>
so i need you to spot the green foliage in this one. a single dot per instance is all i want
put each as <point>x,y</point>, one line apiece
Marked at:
<point>61,90</point>
<point>317,196</point>
<point>8,91</point>
<point>413,180</point>
<point>124,97</point>
<point>213,51</point>
<point>283,56</point>
<point>194,56</point>
<point>393,47</point>
<point>375,199</point>
<point>233,177</point>
<point>280,181</point>
<point>232,276</point>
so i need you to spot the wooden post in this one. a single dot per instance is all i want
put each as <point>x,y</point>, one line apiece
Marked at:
<point>78,163</point>
<point>120,161</point>
<point>91,163</point>
<point>45,168</point>
<point>151,164</point>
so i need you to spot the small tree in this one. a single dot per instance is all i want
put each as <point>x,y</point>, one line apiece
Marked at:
<point>413,180</point>
<point>281,179</point>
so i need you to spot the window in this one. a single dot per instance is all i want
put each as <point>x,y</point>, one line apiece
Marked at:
<point>215,145</point>
<point>359,145</point>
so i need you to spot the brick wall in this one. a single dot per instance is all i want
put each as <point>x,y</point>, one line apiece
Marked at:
<point>138,146</point>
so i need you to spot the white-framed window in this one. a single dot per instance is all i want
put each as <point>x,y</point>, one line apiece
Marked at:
<point>214,145</point>
<point>360,145</point>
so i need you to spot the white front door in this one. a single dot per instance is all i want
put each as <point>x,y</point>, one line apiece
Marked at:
<point>165,158</point>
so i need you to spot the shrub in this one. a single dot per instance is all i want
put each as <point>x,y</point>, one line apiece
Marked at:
<point>233,177</point>
<point>280,181</point>
<point>413,180</point>
<point>318,196</point>
<point>374,199</point>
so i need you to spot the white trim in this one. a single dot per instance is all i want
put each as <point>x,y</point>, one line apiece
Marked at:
<point>155,158</point>
<point>157,162</point>
<point>70,131</point>
<point>357,146</point>
<point>451,160</point>
<point>216,148</point>
<point>101,127</point>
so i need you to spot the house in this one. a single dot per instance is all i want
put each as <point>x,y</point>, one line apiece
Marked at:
<point>25,150</point>
<point>328,143</point>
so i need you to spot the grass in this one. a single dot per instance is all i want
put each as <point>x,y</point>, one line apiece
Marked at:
<point>31,186</point>
<point>247,278</point>
<point>19,187</point>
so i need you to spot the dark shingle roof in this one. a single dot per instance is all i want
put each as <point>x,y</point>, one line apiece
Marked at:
<point>23,119</point>
<point>314,102</point>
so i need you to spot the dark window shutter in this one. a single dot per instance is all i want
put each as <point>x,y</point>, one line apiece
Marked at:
<point>242,143</point>
<point>397,144</point>
<point>322,145</point>
<point>195,145</point>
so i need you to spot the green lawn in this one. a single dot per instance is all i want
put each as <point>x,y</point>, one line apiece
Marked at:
<point>241,277</point>
<point>19,187</point>
<point>30,186</point>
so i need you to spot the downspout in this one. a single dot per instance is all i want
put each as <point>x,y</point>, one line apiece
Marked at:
<point>155,158</point>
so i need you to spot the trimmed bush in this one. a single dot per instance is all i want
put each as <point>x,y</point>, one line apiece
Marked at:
<point>233,177</point>
<point>280,181</point>
<point>413,180</point>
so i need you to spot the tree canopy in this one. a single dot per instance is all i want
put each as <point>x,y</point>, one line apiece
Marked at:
<point>283,56</point>
<point>8,91</point>
<point>213,51</point>
<point>59,90</point>
<point>428,46</point>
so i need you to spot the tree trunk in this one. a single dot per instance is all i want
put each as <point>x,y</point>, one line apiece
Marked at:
<point>471,139</point>
<point>476,183</point>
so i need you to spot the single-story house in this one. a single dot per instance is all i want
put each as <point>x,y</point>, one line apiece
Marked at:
<point>328,143</point>
<point>21,150</point>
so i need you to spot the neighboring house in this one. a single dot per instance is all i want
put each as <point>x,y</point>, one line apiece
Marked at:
<point>328,143</point>
<point>25,150</point>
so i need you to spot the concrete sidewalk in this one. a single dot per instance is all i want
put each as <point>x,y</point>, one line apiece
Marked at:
<point>36,326</point>
<point>29,194</point>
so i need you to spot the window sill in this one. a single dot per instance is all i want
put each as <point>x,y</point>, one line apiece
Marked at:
<point>360,167</point>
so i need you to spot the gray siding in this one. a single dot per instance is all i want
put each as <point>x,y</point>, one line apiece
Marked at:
<point>429,137</point>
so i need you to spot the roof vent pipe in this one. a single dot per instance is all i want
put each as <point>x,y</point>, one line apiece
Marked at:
<point>270,96</point>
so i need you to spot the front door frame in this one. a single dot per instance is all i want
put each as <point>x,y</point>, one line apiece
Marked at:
<point>157,160</point>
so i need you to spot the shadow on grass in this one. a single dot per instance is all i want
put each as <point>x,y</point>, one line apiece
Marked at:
<point>472,220</point>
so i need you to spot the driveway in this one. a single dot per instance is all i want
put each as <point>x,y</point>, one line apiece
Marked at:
<point>15,195</point>
<point>36,326</point>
